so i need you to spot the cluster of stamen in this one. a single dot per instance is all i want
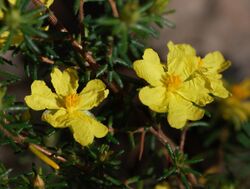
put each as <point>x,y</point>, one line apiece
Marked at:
<point>71,101</point>
<point>173,82</point>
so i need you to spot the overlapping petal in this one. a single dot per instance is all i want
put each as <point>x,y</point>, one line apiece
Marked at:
<point>195,90</point>
<point>47,3</point>
<point>215,63</point>
<point>155,98</point>
<point>181,60</point>
<point>41,97</point>
<point>85,128</point>
<point>57,118</point>
<point>181,110</point>
<point>65,82</point>
<point>150,68</point>
<point>93,94</point>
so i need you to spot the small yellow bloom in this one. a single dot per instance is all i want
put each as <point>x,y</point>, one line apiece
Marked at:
<point>163,185</point>
<point>209,68</point>
<point>173,88</point>
<point>236,108</point>
<point>67,108</point>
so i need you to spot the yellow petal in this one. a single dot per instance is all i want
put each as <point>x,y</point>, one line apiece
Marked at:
<point>82,134</point>
<point>217,87</point>
<point>150,68</point>
<point>181,60</point>
<point>56,118</point>
<point>41,97</point>
<point>85,127</point>
<point>93,94</point>
<point>12,2</point>
<point>155,98</point>
<point>65,82</point>
<point>194,90</point>
<point>215,63</point>
<point>183,48</point>
<point>181,110</point>
<point>47,3</point>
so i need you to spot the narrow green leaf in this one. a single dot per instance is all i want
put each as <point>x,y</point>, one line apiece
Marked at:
<point>102,70</point>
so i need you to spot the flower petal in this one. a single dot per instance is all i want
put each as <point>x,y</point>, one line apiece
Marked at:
<point>57,118</point>
<point>181,60</point>
<point>82,133</point>
<point>86,127</point>
<point>215,63</point>
<point>155,98</point>
<point>65,82</point>
<point>93,94</point>
<point>47,3</point>
<point>194,90</point>
<point>218,88</point>
<point>149,68</point>
<point>181,110</point>
<point>41,97</point>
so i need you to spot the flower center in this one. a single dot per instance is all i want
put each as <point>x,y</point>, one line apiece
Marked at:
<point>200,62</point>
<point>173,82</point>
<point>71,101</point>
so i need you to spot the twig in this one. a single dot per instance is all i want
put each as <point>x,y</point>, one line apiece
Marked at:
<point>54,21</point>
<point>78,47</point>
<point>19,139</point>
<point>46,60</point>
<point>164,139</point>
<point>48,153</point>
<point>142,141</point>
<point>81,18</point>
<point>183,138</point>
<point>114,8</point>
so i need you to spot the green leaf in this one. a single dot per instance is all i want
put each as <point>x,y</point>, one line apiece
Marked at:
<point>199,124</point>
<point>117,79</point>
<point>102,69</point>
<point>167,173</point>
<point>185,181</point>
<point>76,6</point>
<point>122,62</point>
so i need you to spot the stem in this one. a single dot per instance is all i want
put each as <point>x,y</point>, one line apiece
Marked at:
<point>142,141</point>
<point>114,8</point>
<point>163,138</point>
<point>19,139</point>
<point>81,18</point>
<point>78,47</point>
<point>183,138</point>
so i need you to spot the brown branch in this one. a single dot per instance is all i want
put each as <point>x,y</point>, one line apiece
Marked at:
<point>164,139</point>
<point>114,8</point>
<point>142,141</point>
<point>48,153</point>
<point>46,60</point>
<point>78,47</point>
<point>81,11</point>
<point>19,139</point>
<point>183,138</point>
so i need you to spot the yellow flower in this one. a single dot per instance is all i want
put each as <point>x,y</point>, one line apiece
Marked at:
<point>163,185</point>
<point>236,108</point>
<point>67,108</point>
<point>209,68</point>
<point>173,88</point>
